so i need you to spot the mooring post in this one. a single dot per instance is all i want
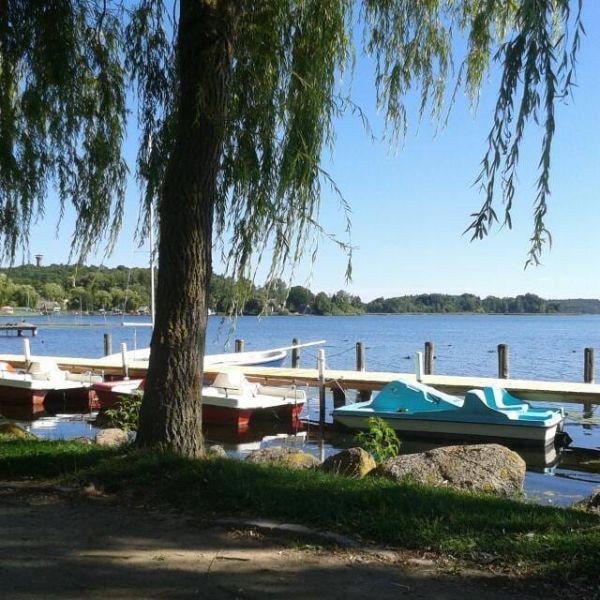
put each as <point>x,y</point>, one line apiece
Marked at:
<point>419,366</point>
<point>124,360</point>
<point>360,356</point>
<point>589,365</point>
<point>339,397</point>
<point>502,361</point>
<point>107,344</point>
<point>360,366</point>
<point>428,367</point>
<point>321,370</point>
<point>239,345</point>
<point>295,354</point>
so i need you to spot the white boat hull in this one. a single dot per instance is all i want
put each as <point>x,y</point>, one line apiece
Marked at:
<point>457,430</point>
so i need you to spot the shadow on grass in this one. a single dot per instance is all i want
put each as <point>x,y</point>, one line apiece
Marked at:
<point>563,541</point>
<point>34,458</point>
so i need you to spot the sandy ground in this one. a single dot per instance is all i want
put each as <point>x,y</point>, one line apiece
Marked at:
<point>56,545</point>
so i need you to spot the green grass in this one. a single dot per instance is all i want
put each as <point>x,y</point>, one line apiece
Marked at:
<point>542,539</point>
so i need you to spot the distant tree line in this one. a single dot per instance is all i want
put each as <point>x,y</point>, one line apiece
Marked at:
<point>445,303</point>
<point>92,288</point>
<point>82,288</point>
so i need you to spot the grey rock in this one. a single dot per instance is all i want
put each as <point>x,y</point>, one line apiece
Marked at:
<point>216,451</point>
<point>593,502</point>
<point>86,441</point>
<point>478,467</point>
<point>354,462</point>
<point>111,438</point>
<point>283,457</point>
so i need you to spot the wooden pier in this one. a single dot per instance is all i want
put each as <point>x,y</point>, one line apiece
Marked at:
<point>19,328</point>
<point>341,381</point>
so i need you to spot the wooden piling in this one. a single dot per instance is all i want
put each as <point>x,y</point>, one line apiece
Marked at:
<point>364,395</point>
<point>589,365</point>
<point>239,345</point>
<point>107,344</point>
<point>339,397</point>
<point>502,361</point>
<point>428,367</point>
<point>295,354</point>
<point>360,356</point>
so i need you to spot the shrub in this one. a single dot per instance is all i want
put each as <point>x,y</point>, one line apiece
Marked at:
<point>126,412</point>
<point>380,440</point>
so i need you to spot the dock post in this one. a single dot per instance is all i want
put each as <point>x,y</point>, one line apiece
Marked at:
<point>339,397</point>
<point>124,360</point>
<point>502,361</point>
<point>589,365</point>
<point>295,354</point>
<point>419,366</point>
<point>360,356</point>
<point>107,344</point>
<point>321,370</point>
<point>428,366</point>
<point>360,366</point>
<point>239,345</point>
<point>26,352</point>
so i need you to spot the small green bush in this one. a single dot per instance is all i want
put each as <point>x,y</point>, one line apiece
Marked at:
<point>125,413</point>
<point>380,440</point>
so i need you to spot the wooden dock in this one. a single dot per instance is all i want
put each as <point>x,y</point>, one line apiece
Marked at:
<point>19,328</point>
<point>345,380</point>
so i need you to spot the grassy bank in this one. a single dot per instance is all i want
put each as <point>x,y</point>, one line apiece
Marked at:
<point>541,539</point>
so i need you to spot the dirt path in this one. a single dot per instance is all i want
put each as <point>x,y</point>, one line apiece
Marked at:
<point>56,546</point>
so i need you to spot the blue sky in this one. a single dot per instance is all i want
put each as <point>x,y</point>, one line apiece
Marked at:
<point>411,206</point>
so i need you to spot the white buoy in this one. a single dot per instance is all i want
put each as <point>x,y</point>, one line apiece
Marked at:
<point>124,360</point>
<point>26,352</point>
<point>321,370</point>
<point>419,366</point>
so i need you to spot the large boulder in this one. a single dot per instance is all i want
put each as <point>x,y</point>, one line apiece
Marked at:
<point>216,451</point>
<point>291,458</point>
<point>479,467</point>
<point>16,431</point>
<point>593,502</point>
<point>354,462</point>
<point>111,438</point>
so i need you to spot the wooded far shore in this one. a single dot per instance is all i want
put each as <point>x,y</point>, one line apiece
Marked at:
<point>92,288</point>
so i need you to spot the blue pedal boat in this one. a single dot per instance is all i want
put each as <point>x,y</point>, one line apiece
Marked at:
<point>491,413</point>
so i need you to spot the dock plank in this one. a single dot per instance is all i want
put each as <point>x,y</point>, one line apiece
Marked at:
<point>547,391</point>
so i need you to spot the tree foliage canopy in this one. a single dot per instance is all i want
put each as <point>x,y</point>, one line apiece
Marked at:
<point>67,67</point>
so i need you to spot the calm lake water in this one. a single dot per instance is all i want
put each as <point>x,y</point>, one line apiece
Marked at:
<point>541,347</point>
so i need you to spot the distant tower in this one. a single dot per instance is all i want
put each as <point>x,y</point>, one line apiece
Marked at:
<point>38,260</point>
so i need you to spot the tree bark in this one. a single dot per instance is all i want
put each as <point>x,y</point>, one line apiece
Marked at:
<point>171,416</point>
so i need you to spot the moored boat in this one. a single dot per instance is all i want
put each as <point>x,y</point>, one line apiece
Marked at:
<point>491,413</point>
<point>230,400</point>
<point>43,380</point>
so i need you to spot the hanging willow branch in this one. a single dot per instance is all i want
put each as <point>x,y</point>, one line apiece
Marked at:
<point>539,65</point>
<point>66,67</point>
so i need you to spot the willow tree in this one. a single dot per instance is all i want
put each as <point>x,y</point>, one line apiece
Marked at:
<point>235,102</point>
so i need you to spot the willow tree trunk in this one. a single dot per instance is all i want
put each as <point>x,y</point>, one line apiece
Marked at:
<point>171,416</point>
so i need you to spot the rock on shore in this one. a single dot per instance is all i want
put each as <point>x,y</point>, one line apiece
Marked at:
<point>479,467</point>
<point>354,462</point>
<point>111,438</point>
<point>283,457</point>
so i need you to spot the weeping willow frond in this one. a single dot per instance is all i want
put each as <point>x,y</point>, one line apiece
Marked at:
<point>67,66</point>
<point>538,69</point>
<point>62,117</point>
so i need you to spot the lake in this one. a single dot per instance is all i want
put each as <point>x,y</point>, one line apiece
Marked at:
<point>541,347</point>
